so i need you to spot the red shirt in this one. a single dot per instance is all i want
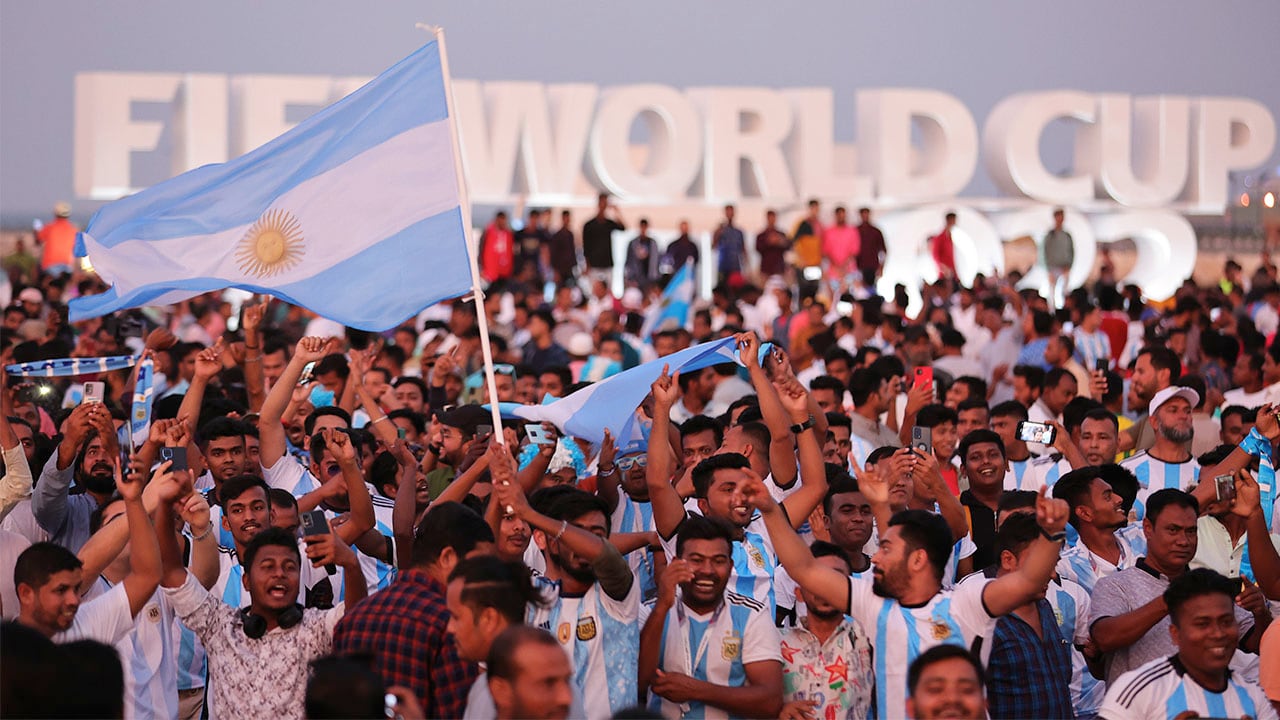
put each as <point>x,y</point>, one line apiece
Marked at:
<point>944,253</point>
<point>497,253</point>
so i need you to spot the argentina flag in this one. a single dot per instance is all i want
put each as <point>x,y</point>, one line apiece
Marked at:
<point>354,214</point>
<point>672,311</point>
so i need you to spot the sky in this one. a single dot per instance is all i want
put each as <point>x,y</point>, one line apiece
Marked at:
<point>981,51</point>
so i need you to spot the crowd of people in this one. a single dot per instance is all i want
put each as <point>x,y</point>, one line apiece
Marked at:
<point>996,506</point>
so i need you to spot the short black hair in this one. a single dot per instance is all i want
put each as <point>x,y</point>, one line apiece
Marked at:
<point>979,436</point>
<point>1169,497</point>
<point>822,548</point>
<point>1054,377</point>
<point>309,425</point>
<point>568,503</point>
<point>417,420</point>
<point>973,404</point>
<point>826,382</point>
<point>705,471</point>
<point>699,527</point>
<point>490,582</point>
<point>218,428</point>
<point>332,363</point>
<point>562,373</point>
<point>1101,414</point>
<point>1016,533</point>
<point>233,488</point>
<point>41,561</point>
<point>1016,500</point>
<point>414,381</point>
<point>1010,408</point>
<point>1162,358</point>
<point>1193,584</point>
<point>977,387</point>
<point>1074,488</point>
<point>937,654</point>
<point>839,482</point>
<point>862,383</point>
<point>501,662</point>
<point>923,530</point>
<point>838,419</point>
<point>1074,412</point>
<point>931,416</point>
<point>1247,415</point>
<point>279,497</point>
<point>449,525</point>
<point>702,423</point>
<point>883,452</point>
<point>1032,375</point>
<point>278,537</point>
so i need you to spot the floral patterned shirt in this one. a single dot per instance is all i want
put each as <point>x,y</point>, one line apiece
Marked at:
<point>836,674</point>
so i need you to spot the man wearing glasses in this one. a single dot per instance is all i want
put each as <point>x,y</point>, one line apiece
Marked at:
<point>629,510</point>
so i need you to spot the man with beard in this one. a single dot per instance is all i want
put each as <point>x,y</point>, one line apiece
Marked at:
<point>1155,369</point>
<point>905,600</point>
<point>706,651</point>
<point>592,598</point>
<point>1129,620</point>
<point>1195,681</point>
<point>89,446</point>
<point>827,655</point>
<point>222,443</point>
<point>1168,462</point>
<point>1107,543</point>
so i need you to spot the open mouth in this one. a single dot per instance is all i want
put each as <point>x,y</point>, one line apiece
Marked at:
<point>277,591</point>
<point>705,585</point>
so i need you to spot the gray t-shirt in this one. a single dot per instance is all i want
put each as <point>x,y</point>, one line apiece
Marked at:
<point>1127,591</point>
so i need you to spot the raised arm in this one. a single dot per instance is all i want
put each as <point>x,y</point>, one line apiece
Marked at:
<point>782,446</point>
<point>917,397</point>
<point>677,572</point>
<point>813,473</point>
<point>928,472</point>
<point>381,427</point>
<point>17,481</point>
<point>144,548</point>
<point>1262,553</point>
<point>405,512</point>
<point>607,474</point>
<point>271,435</point>
<point>204,563</point>
<point>331,549</point>
<point>208,365</point>
<point>49,501</point>
<point>255,382</point>
<point>668,509</point>
<point>104,546</point>
<point>825,582</point>
<point>1002,595</point>
<point>362,519</point>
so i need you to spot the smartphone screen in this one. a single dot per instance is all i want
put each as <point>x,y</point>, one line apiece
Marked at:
<point>1034,432</point>
<point>1225,486</point>
<point>177,455</point>
<point>314,523</point>
<point>94,392</point>
<point>307,371</point>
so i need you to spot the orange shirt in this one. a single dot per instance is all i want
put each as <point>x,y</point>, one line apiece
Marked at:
<point>59,240</point>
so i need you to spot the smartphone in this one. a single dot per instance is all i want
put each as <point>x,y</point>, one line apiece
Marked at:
<point>308,371</point>
<point>1035,432</point>
<point>1237,586</point>
<point>1101,365</point>
<point>94,392</point>
<point>922,439</point>
<point>1225,485</point>
<point>812,273</point>
<point>924,376</point>
<point>315,523</point>
<point>483,431</point>
<point>538,435</point>
<point>401,433</point>
<point>177,455</point>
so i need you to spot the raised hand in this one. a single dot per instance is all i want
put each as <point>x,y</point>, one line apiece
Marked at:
<point>794,398</point>
<point>872,484</point>
<point>666,391</point>
<point>677,573</point>
<point>339,443</point>
<point>445,365</point>
<point>126,484</point>
<point>252,319</point>
<point>754,491</point>
<point>510,496</point>
<point>160,430</point>
<point>1248,498</point>
<point>608,451</point>
<point>1267,423</point>
<point>311,349</point>
<point>1051,512</point>
<point>194,511</point>
<point>209,361</point>
<point>918,396</point>
<point>749,350</point>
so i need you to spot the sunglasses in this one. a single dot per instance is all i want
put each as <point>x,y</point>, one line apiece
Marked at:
<point>627,463</point>
<point>505,369</point>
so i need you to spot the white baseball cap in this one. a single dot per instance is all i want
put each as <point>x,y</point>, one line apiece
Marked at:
<point>1170,393</point>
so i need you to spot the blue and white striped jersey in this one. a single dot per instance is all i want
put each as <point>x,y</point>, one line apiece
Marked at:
<point>1044,471</point>
<point>754,562</point>
<point>1163,689</point>
<point>716,648</point>
<point>1070,603</point>
<point>1080,565</point>
<point>146,652</point>
<point>1092,347</point>
<point>899,634</point>
<point>1156,475</point>
<point>601,636</point>
<point>1015,477</point>
<point>635,517</point>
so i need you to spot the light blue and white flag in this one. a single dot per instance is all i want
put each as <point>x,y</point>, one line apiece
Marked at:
<point>611,403</point>
<point>140,413</point>
<point>70,367</point>
<point>353,214</point>
<point>672,311</point>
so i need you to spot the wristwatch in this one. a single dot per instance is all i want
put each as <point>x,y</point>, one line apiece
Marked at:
<point>1052,537</point>
<point>801,427</point>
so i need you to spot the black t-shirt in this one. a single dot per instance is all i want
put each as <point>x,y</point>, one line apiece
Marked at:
<point>597,241</point>
<point>982,521</point>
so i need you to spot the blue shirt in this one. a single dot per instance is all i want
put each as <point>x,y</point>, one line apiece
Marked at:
<point>1028,675</point>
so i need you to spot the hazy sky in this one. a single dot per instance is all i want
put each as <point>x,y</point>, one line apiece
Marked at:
<point>980,51</point>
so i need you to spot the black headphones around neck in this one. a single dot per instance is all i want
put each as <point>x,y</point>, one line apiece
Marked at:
<point>255,626</point>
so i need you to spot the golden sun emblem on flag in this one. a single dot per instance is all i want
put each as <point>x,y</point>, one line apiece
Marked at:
<point>272,245</point>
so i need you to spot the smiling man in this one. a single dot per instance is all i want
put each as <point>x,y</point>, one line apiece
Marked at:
<point>1130,619</point>
<point>1194,681</point>
<point>984,464</point>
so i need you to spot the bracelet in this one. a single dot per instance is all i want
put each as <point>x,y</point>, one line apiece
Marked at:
<point>378,420</point>
<point>564,525</point>
<point>257,358</point>
<point>1052,537</point>
<point>247,346</point>
<point>602,472</point>
<point>207,531</point>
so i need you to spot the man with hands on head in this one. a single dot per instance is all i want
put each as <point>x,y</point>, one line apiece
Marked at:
<point>905,599</point>
<point>259,655</point>
<point>706,651</point>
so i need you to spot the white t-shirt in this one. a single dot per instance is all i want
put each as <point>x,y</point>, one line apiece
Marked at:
<point>11,546</point>
<point>105,618</point>
<point>150,670</point>
<point>1163,689</point>
<point>899,634</point>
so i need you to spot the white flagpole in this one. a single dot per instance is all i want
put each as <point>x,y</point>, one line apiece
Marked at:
<point>464,203</point>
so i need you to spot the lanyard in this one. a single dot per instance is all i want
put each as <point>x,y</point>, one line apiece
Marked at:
<point>696,659</point>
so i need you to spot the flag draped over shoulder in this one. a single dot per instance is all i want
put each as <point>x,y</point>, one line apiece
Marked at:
<point>354,214</point>
<point>611,403</point>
